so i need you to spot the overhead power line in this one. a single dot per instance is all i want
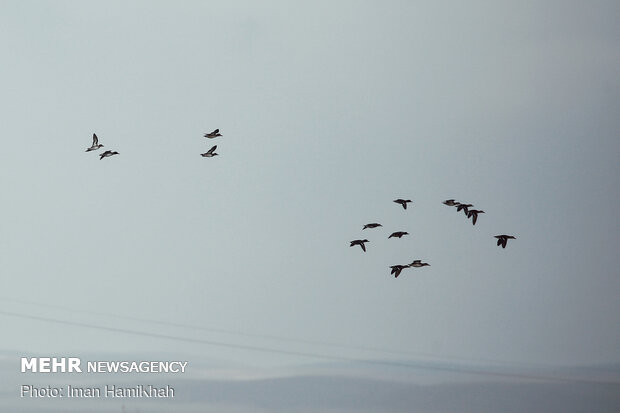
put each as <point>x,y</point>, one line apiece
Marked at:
<point>411,364</point>
<point>277,338</point>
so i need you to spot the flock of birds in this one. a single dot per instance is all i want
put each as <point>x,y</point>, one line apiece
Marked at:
<point>208,154</point>
<point>502,239</point>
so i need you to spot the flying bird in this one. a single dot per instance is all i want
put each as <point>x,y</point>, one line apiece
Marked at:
<point>210,153</point>
<point>403,202</point>
<point>398,234</point>
<point>464,207</point>
<point>106,154</point>
<point>473,214</point>
<point>503,239</point>
<point>359,242</point>
<point>373,225</point>
<point>396,269</point>
<point>96,145</point>
<point>213,134</point>
<point>451,202</point>
<point>418,264</point>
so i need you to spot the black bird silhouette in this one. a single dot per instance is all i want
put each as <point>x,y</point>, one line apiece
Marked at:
<point>106,154</point>
<point>503,240</point>
<point>213,134</point>
<point>96,145</point>
<point>396,269</point>
<point>398,234</point>
<point>403,202</point>
<point>451,202</point>
<point>418,264</point>
<point>359,242</point>
<point>210,153</point>
<point>464,207</point>
<point>473,214</point>
<point>373,225</point>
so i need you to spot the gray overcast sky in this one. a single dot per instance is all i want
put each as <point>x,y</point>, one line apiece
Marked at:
<point>329,111</point>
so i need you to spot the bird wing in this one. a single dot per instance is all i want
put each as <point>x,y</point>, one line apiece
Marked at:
<point>212,149</point>
<point>474,218</point>
<point>363,246</point>
<point>95,140</point>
